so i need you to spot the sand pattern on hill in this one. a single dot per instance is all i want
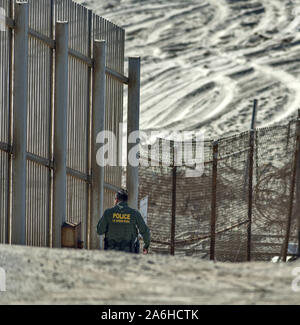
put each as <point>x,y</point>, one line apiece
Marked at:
<point>204,61</point>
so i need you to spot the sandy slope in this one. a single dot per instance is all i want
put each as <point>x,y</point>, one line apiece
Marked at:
<point>204,61</point>
<point>44,276</point>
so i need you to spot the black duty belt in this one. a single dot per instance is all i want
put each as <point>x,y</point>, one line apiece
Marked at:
<point>124,245</point>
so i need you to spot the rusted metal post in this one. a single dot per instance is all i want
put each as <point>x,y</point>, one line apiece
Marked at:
<point>250,192</point>
<point>214,201</point>
<point>174,180</point>
<point>20,86</point>
<point>149,155</point>
<point>291,203</point>
<point>255,144</point>
<point>60,131</point>
<point>252,127</point>
<point>298,186</point>
<point>160,155</point>
<point>249,173</point>
<point>254,113</point>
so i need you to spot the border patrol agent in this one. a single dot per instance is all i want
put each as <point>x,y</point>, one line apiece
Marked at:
<point>121,224</point>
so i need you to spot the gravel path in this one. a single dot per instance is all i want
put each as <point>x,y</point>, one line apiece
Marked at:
<point>51,276</point>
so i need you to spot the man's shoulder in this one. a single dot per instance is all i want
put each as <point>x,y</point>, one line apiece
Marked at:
<point>134,211</point>
<point>109,211</point>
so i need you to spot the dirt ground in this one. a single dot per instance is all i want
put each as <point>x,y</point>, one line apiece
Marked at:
<point>52,276</point>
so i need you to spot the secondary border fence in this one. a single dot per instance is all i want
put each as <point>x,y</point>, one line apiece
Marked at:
<point>60,86</point>
<point>242,208</point>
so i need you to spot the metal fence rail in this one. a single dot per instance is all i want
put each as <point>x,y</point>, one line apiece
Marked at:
<point>47,133</point>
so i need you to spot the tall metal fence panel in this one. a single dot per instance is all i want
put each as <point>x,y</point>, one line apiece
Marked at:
<point>241,208</point>
<point>84,28</point>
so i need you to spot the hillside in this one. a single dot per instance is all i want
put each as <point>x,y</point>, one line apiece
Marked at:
<point>204,61</point>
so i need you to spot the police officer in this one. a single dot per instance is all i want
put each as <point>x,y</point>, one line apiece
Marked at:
<point>121,224</point>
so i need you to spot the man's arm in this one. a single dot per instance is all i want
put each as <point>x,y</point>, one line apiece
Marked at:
<point>102,226</point>
<point>144,230</point>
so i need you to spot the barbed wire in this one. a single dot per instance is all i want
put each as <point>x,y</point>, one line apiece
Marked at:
<point>273,159</point>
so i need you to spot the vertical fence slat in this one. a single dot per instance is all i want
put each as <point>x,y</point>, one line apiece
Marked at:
<point>89,128</point>
<point>20,123</point>
<point>133,115</point>
<point>214,201</point>
<point>51,121</point>
<point>60,130</point>
<point>98,125</point>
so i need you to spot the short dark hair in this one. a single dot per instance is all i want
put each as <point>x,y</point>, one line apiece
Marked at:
<point>122,195</point>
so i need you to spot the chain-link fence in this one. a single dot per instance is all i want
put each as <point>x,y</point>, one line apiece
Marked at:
<point>241,208</point>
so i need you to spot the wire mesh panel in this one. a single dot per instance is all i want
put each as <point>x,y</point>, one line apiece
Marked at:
<point>156,183</point>
<point>273,172</point>
<point>193,208</point>
<point>214,211</point>
<point>232,199</point>
<point>5,61</point>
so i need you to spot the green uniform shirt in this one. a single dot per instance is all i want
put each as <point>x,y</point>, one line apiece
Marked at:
<point>123,223</point>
